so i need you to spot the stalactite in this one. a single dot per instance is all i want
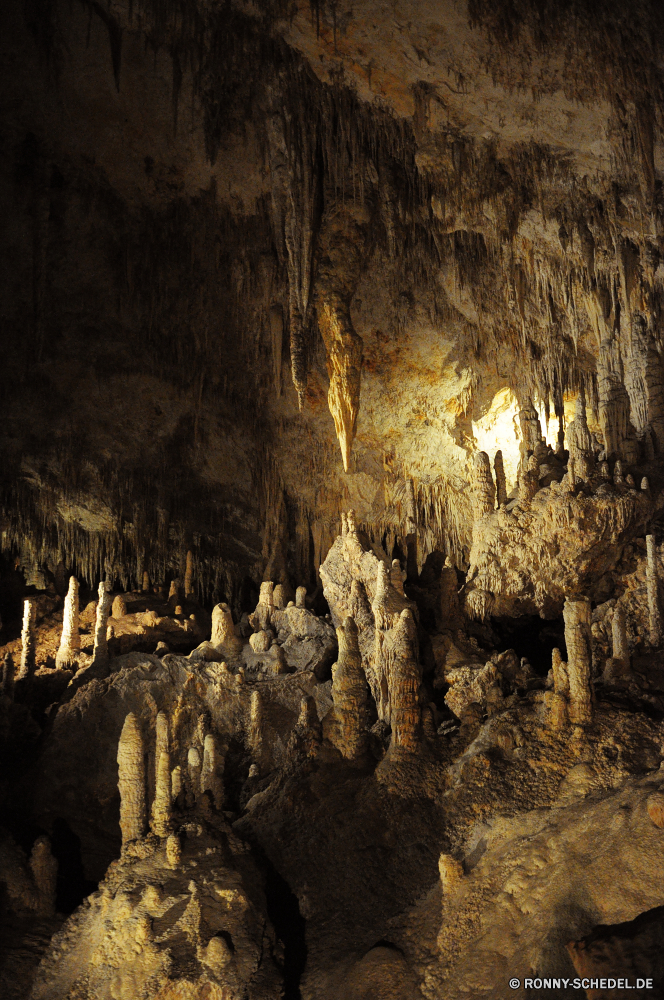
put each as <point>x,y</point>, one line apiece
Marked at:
<point>131,781</point>
<point>70,642</point>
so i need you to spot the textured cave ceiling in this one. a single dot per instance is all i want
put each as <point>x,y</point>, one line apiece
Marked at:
<point>266,262</point>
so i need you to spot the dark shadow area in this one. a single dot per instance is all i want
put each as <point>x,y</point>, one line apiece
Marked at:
<point>532,637</point>
<point>72,885</point>
<point>284,911</point>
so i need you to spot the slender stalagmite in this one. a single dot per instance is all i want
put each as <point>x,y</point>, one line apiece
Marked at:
<point>654,607</point>
<point>100,654</point>
<point>576,615</point>
<point>255,735</point>
<point>406,717</point>
<point>501,482</point>
<point>301,597</point>
<point>189,575</point>
<point>210,777</point>
<point>45,874</point>
<point>161,807</point>
<point>28,639</point>
<point>146,582</point>
<point>7,680</point>
<point>70,642</point>
<point>194,774</point>
<point>131,781</point>
<point>619,636</point>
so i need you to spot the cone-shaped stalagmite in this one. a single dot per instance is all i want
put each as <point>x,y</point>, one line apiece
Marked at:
<point>70,642</point>
<point>131,780</point>
<point>45,874</point>
<point>100,654</point>
<point>349,694</point>
<point>28,639</point>
<point>576,615</point>
<point>224,636</point>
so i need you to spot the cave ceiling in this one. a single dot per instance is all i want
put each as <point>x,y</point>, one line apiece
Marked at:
<point>267,262</point>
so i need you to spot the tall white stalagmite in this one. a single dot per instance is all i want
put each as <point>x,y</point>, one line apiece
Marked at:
<point>654,606</point>
<point>131,780</point>
<point>28,639</point>
<point>100,654</point>
<point>576,615</point>
<point>70,642</point>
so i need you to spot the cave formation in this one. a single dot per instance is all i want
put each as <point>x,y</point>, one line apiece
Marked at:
<point>331,499</point>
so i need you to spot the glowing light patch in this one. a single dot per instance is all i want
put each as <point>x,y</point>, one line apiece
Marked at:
<point>499,429</point>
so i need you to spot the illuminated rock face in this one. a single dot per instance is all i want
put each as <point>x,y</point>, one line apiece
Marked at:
<point>332,347</point>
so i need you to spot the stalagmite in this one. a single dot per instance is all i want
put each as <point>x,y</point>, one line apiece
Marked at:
<point>100,652</point>
<point>484,491</point>
<point>224,636</point>
<point>210,778</point>
<point>531,431</point>
<point>70,642</point>
<point>645,485</point>
<point>528,484</point>
<point>162,744</point>
<point>654,606</point>
<point>556,701</point>
<point>619,636</point>
<point>131,781</point>
<point>161,807</point>
<point>262,617</point>
<point>146,582</point>
<point>28,640</point>
<point>405,716</point>
<point>501,482</point>
<point>396,576</point>
<point>44,869</point>
<point>301,597</point>
<point>449,616</point>
<point>280,596</point>
<point>119,606</point>
<point>576,615</point>
<point>618,477</point>
<point>189,575</point>
<point>173,850</point>
<point>193,774</point>
<point>349,694</point>
<point>579,440</point>
<point>255,738</point>
<point>7,678</point>
<point>176,784</point>
<point>308,722</point>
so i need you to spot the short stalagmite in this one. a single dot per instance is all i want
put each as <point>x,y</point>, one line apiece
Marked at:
<point>301,597</point>
<point>131,781</point>
<point>70,642</point>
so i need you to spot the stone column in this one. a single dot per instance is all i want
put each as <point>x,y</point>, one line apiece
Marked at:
<point>131,780</point>
<point>576,615</point>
